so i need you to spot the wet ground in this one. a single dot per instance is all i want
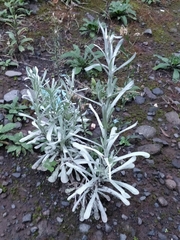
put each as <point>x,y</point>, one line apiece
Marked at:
<point>33,208</point>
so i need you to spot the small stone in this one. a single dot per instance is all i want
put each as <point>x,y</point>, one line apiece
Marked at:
<point>13,206</point>
<point>5,183</point>
<point>123,236</point>
<point>12,73</point>
<point>4,214</point>
<point>34,229</point>
<point>124,217</point>
<point>152,149</point>
<point>173,30</point>
<point>18,125</point>
<point>148,32</point>
<point>157,91</point>
<point>162,201</point>
<point>65,203</point>
<point>118,204</point>
<point>59,219</point>
<point>151,233</point>
<point>84,228</point>
<point>139,100</point>
<point>27,218</point>
<point>46,213</point>
<point>158,140</point>
<point>150,161</point>
<point>147,131</point>
<point>176,163</point>
<point>142,198</point>
<point>108,228</point>
<point>10,96</point>
<point>176,135</point>
<point>161,236</point>
<point>173,117</point>
<point>152,111</point>
<point>117,109</point>
<point>4,195</point>
<point>139,221</point>
<point>16,174</point>
<point>170,184</point>
<point>150,95</point>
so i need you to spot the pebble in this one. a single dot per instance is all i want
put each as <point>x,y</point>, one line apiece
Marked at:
<point>152,149</point>
<point>142,198</point>
<point>59,219</point>
<point>84,228</point>
<point>158,140</point>
<point>46,213</point>
<point>147,131</point>
<point>150,161</point>
<point>162,201</point>
<point>27,218</point>
<point>10,96</point>
<point>123,236</point>
<point>4,214</point>
<point>170,184</point>
<point>148,32</point>
<point>12,73</point>
<point>151,233</point>
<point>124,217</point>
<point>176,135</point>
<point>34,229</point>
<point>108,228</point>
<point>139,221</point>
<point>13,206</point>
<point>152,111</point>
<point>173,30</point>
<point>139,100</point>
<point>150,95</point>
<point>157,91</point>
<point>65,203</point>
<point>172,117</point>
<point>176,163</point>
<point>16,174</point>
<point>161,236</point>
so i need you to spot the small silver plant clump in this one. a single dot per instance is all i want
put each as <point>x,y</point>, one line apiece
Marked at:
<point>101,180</point>
<point>89,167</point>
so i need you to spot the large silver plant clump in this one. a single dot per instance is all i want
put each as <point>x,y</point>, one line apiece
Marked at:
<point>89,168</point>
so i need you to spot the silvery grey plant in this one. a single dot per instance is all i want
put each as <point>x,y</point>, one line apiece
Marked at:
<point>101,180</point>
<point>103,161</point>
<point>111,96</point>
<point>59,134</point>
<point>56,119</point>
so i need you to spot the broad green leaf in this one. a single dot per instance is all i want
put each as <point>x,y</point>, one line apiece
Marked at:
<point>161,66</point>
<point>21,48</point>
<point>176,75</point>
<point>8,127</point>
